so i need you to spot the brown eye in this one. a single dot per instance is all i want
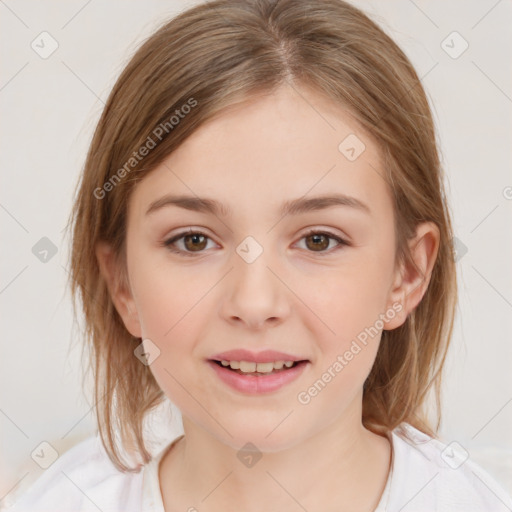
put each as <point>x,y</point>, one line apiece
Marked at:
<point>317,241</point>
<point>194,242</point>
<point>188,243</point>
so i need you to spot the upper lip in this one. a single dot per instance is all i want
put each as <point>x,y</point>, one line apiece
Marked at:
<point>266,356</point>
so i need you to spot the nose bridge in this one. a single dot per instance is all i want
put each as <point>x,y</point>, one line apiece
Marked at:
<point>252,274</point>
<point>255,293</point>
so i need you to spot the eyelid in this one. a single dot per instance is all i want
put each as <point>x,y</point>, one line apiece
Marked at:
<point>341,240</point>
<point>326,231</point>
<point>169,241</point>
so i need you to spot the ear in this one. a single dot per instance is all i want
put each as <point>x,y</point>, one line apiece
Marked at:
<point>410,283</point>
<point>119,288</point>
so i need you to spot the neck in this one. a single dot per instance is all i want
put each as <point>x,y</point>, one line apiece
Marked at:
<point>344,465</point>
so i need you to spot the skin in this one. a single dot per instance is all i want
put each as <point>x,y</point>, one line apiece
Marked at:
<point>295,297</point>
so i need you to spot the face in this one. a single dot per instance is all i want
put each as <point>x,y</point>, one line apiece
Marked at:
<point>316,282</point>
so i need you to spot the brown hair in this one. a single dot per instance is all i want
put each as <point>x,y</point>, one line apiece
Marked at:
<point>219,54</point>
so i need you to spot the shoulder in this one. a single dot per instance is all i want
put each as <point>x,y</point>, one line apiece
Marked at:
<point>82,479</point>
<point>431,475</point>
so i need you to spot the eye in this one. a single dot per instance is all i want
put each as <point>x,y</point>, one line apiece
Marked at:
<point>319,241</point>
<point>193,242</point>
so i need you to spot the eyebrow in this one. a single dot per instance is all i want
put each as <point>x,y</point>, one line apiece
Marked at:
<point>292,207</point>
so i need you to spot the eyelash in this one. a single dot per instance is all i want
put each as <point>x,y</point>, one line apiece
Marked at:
<point>169,243</point>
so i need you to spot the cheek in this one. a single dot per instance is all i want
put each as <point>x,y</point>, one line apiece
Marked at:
<point>164,293</point>
<point>345,299</point>
<point>346,308</point>
<point>346,326</point>
<point>173,305</point>
<point>158,304</point>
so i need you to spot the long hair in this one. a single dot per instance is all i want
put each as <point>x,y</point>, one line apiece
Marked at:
<point>219,54</point>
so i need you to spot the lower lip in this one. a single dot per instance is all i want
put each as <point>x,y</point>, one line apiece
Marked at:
<point>257,384</point>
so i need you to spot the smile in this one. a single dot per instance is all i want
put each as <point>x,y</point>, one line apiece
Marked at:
<point>255,378</point>
<point>253,367</point>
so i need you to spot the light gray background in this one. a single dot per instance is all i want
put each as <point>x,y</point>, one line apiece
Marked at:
<point>49,108</point>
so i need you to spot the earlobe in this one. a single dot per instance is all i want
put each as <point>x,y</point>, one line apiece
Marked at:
<point>412,280</point>
<point>119,290</point>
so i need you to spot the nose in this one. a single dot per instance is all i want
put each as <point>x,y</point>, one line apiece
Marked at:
<point>255,296</point>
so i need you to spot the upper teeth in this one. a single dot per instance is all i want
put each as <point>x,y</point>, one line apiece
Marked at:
<point>248,366</point>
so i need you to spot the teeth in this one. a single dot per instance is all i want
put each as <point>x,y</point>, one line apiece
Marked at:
<point>250,367</point>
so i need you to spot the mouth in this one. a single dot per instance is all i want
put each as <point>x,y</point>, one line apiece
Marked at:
<point>250,368</point>
<point>255,378</point>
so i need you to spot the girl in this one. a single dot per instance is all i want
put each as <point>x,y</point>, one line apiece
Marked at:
<point>261,235</point>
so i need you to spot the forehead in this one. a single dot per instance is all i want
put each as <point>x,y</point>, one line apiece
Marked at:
<point>270,149</point>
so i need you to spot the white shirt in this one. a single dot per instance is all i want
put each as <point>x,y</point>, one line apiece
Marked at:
<point>426,475</point>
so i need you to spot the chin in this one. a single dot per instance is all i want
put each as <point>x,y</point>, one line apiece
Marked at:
<point>280,438</point>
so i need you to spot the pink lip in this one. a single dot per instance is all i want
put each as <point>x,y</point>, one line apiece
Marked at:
<point>256,384</point>
<point>266,356</point>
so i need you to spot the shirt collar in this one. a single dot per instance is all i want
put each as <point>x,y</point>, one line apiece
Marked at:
<point>151,493</point>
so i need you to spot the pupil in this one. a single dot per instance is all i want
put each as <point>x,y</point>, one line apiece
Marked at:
<point>318,238</point>
<point>195,239</point>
